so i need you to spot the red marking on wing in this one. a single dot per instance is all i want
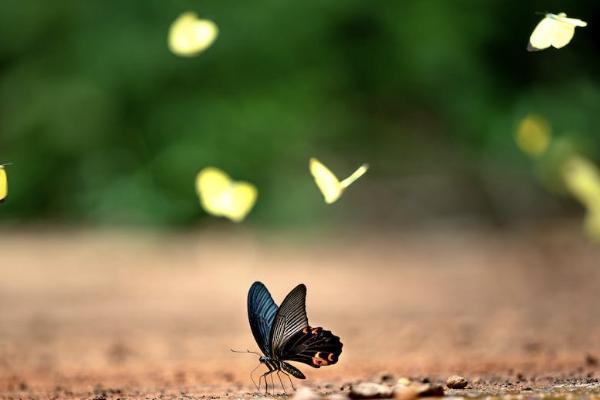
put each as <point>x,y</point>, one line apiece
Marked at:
<point>318,361</point>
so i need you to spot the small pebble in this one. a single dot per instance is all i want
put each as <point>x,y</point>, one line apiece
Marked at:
<point>402,392</point>
<point>306,393</point>
<point>429,390</point>
<point>417,390</point>
<point>591,360</point>
<point>370,390</point>
<point>337,396</point>
<point>403,381</point>
<point>386,377</point>
<point>456,382</point>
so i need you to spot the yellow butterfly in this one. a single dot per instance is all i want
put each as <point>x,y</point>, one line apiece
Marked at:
<point>582,179</point>
<point>190,35</point>
<point>534,135</point>
<point>554,30</point>
<point>328,183</point>
<point>223,197</point>
<point>3,184</point>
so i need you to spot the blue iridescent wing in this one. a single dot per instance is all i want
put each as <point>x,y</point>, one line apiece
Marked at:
<point>261,314</point>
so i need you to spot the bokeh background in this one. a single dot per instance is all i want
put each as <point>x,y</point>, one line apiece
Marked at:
<point>103,125</point>
<point>455,253</point>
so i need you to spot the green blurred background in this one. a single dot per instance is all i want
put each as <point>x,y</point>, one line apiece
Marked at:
<point>103,125</point>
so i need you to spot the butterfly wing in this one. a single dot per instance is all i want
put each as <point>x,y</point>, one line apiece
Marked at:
<point>542,36</point>
<point>3,184</point>
<point>313,346</point>
<point>328,183</point>
<point>243,196</point>
<point>583,181</point>
<point>294,340</point>
<point>573,21</point>
<point>222,197</point>
<point>562,34</point>
<point>355,175</point>
<point>261,313</point>
<point>290,319</point>
<point>554,30</point>
<point>212,186</point>
<point>189,35</point>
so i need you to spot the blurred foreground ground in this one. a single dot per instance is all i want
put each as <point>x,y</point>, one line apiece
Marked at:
<point>143,313</point>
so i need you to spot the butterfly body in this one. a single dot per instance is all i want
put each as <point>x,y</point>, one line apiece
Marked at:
<point>283,333</point>
<point>277,365</point>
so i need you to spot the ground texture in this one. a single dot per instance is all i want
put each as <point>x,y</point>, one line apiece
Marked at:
<point>115,315</point>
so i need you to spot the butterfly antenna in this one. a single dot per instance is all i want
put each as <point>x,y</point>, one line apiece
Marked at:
<point>244,352</point>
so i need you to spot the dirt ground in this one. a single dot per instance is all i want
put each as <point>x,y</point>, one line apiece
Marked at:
<point>136,315</point>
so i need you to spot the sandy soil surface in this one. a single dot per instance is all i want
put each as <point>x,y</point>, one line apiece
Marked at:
<point>123,315</point>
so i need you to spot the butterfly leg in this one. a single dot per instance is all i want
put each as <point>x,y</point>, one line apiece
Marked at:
<point>264,376</point>
<point>259,383</point>
<point>266,381</point>
<point>272,382</point>
<point>292,383</point>
<point>280,381</point>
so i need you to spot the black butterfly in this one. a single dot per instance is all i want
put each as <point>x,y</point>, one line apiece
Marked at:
<point>283,334</point>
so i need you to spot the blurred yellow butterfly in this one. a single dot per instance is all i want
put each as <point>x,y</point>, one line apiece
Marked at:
<point>534,135</point>
<point>554,30</point>
<point>582,179</point>
<point>591,224</point>
<point>190,35</point>
<point>328,183</point>
<point>3,184</point>
<point>223,197</point>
